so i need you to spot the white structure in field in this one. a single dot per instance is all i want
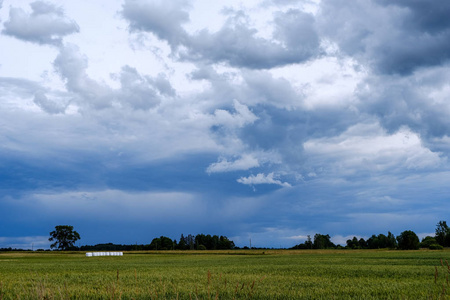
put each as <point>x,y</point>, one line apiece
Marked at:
<point>90,254</point>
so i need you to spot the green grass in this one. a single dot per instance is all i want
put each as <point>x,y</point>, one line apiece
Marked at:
<point>333,274</point>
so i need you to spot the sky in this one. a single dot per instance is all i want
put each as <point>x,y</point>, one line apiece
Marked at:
<point>260,120</point>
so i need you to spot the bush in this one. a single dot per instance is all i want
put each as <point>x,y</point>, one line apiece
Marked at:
<point>428,241</point>
<point>435,247</point>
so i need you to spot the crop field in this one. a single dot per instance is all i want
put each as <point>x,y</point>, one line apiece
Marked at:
<point>241,274</point>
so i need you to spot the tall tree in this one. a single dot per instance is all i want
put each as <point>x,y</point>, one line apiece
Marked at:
<point>182,243</point>
<point>190,241</point>
<point>308,242</point>
<point>391,240</point>
<point>64,237</point>
<point>443,234</point>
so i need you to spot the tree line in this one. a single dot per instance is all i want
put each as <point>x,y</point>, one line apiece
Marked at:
<point>407,240</point>
<point>189,242</point>
<point>64,238</point>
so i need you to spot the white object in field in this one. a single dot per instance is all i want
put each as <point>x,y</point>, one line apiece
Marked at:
<point>90,254</point>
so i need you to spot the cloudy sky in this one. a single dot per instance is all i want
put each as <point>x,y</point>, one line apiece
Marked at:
<point>265,120</point>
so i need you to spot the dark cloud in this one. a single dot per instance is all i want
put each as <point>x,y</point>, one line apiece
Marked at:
<point>282,123</point>
<point>412,53</point>
<point>236,43</point>
<point>418,101</point>
<point>423,15</point>
<point>47,24</point>
<point>393,37</point>
<point>164,19</point>
<point>283,133</point>
<point>28,173</point>
<point>275,104</point>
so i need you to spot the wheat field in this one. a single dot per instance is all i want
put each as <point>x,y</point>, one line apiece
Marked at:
<point>240,274</point>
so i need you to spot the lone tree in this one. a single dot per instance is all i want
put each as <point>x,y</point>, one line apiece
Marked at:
<point>64,237</point>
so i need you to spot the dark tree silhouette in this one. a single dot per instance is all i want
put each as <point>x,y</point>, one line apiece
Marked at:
<point>64,237</point>
<point>408,240</point>
<point>443,234</point>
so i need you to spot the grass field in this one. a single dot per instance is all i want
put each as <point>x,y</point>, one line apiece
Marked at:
<point>333,274</point>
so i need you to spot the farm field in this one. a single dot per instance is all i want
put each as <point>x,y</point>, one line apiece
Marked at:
<point>240,274</point>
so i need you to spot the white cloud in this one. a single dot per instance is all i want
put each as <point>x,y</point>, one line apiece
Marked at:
<point>342,240</point>
<point>300,237</point>
<point>243,116</point>
<point>367,146</point>
<point>72,65</point>
<point>47,24</point>
<point>243,163</point>
<point>262,179</point>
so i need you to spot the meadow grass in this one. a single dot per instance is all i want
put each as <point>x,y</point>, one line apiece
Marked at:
<point>253,274</point>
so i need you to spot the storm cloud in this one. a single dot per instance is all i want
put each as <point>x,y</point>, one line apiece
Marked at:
<point>392,37</point>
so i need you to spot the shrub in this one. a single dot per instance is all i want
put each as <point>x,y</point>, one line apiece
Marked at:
<point>435,247</point>
<point>427,242</point>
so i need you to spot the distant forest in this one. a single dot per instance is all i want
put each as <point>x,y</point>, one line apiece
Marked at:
<point>189,242</point>
<point>407,240</point>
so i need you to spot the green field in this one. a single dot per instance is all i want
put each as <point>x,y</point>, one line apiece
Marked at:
<point>333,274</point>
